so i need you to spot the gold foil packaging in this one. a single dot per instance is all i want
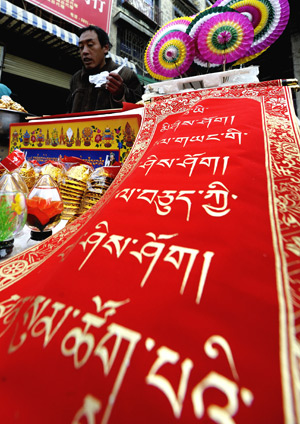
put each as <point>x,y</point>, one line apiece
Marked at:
<point>27,172</point>
<point>56,172</point>
<point>97,185</point>
<point>72,189</point>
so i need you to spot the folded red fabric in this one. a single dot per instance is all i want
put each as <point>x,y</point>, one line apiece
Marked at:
<point>174,299</point>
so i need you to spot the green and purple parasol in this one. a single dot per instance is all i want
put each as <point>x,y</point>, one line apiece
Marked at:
<point>194,29</point>
<point>268,17</point>
<point>225,37</point>
<point>178,24</point>
<point>174,54</point>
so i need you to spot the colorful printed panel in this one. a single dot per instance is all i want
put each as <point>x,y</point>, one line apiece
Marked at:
<point>90,139</point>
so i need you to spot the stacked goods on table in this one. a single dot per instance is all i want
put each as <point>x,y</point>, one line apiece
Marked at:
<point>96,186</point>
<point>79,184</point>
<point>83,185</point>
<point>73,187</point>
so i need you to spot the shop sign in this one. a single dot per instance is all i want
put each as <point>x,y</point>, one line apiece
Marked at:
<point>79,12</point>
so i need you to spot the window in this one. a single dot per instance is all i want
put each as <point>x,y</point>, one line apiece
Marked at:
<point>133,45</point>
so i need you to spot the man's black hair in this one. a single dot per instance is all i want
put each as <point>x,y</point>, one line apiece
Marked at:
<point>102,35</point>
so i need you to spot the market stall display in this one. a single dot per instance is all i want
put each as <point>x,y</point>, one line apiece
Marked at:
<point>27,172</point>
<point>97,185</point>
<point>170,292</point>
<point>55,169</point>
<point>74,184</point>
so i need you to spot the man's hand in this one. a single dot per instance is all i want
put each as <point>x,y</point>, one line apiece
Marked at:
<point>114,84</point>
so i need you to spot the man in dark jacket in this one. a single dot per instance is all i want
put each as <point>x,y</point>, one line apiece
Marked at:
<point>108,89</point>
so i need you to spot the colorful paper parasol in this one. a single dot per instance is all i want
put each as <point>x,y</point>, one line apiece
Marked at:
<point>225,37</point>
<point>268,17</point>
<point>195,26</point>
<point>174,54</point>
<point>178,24</point>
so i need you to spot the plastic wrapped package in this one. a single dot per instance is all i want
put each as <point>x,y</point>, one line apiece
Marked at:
<point>97,185</point>
<point>37,169</point>
<point>28,174</point>
<point>55,169</point>
<point>73,187</point>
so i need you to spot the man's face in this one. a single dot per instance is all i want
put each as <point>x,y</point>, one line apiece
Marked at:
<point>91,52</point>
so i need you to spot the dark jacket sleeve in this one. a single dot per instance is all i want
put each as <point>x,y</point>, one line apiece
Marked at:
<point>133,88</point>
<point>70,98</point>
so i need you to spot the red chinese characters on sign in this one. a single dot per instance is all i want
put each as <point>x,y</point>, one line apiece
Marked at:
<point>79,12</point>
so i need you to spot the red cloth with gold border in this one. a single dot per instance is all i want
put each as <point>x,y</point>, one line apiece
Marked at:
<point>175,298</point>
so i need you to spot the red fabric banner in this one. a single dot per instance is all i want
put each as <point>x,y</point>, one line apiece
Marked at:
<point>175,298</point>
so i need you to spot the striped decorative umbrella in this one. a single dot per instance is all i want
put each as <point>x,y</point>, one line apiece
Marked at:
<point>268,17</point>
<point>194,29</point>
<point>174,54</point>
<point>178,24</point>
<point>225,37</point>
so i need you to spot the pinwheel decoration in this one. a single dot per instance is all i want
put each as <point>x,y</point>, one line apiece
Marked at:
<point>225,37</point>
<point>174,54</point>
<point>194,29</point>
<point>231,31</point>
<point>178,24</point>
<point>268,17</point>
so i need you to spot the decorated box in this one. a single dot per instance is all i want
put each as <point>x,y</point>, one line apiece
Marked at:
<point>97,137</point>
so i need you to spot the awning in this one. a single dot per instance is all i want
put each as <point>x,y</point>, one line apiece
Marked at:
<point>29,18</point>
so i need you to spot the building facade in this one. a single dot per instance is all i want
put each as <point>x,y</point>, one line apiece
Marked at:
<point>134,22</point>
